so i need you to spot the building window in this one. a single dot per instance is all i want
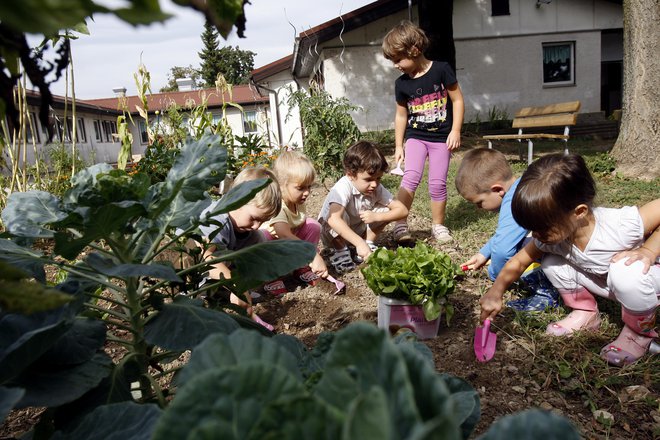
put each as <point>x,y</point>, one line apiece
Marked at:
<point>98,133</point>
<point>144,136</point>
<point>81,134</point>
<point>250,122</point>
<point>559,63</point>
<point>109,128</point>
<point>499,7</point>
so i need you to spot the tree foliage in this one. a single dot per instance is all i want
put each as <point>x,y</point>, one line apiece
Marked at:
<point>209,55</point>
<point>178,72</point>
<point>235,64</point>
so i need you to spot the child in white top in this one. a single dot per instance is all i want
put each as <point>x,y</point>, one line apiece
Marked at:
<point>296,175</point>
<point>358,207</point>
<point>586,251</point>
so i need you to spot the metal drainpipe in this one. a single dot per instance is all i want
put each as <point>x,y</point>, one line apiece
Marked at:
<point>277,110</point>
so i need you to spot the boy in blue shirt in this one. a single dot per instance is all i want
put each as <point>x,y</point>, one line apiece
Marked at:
<point>484,178</point>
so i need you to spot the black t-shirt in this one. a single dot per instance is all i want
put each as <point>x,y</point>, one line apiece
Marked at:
<point>430,112</point>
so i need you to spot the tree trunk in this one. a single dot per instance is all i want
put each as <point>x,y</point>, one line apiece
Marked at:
<point>435,18</point>
<point>637,149</point>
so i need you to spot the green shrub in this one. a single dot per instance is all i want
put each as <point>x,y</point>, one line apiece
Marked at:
<point>328,129</point>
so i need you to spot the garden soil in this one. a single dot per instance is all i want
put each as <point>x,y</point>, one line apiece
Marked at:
<point>509,383</point>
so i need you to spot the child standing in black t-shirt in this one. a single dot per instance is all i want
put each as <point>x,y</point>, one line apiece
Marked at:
<point>429,116</point>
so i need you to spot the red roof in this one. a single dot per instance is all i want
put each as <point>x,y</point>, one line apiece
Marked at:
<point>241,94</point>
<point>271,69</point>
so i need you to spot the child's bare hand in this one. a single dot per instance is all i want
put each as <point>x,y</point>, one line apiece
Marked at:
<point>453,141</point>
<point>369,217</point>
<point>363,251</point>
<point>645,255</point>
<point>319,267</point>
<point>491,305</point>
<point>475,262</point>
<point>398,154</point>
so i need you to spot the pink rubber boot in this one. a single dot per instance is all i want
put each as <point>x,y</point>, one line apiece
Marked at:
<point>633,341</point>
<point>583,317</point>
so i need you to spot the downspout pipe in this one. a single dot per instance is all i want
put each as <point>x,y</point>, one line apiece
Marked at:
<point>277,109</point>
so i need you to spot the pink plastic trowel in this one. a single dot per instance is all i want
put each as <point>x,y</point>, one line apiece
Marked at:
<point>340,286</point>
<point>397,171</point>
<point>484,342</point>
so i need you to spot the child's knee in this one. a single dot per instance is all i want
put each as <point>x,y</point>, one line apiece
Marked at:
<point>561,274</point>
<point>635,290</point>
<point>411,180</point>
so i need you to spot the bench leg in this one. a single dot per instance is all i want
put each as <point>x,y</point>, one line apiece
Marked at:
<point>530,151</point>
<point>490,145</point>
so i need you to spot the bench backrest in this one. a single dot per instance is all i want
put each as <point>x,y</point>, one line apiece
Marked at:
<point>563,113</point>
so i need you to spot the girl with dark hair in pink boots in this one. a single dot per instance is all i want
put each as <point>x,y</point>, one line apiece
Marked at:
<point>586,251</point>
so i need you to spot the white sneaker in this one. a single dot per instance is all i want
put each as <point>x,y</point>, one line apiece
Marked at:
<point>441,234</point>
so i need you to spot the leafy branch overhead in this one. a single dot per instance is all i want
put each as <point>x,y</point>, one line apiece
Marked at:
<point>50,17</point>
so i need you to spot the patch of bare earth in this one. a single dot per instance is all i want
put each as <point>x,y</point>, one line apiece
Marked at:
<point>509,383</point>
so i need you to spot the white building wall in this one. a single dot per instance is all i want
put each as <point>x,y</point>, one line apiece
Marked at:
<point>507,73</point>
<point>499,59</point>
<point>354,67</point>
<point>282,84</point>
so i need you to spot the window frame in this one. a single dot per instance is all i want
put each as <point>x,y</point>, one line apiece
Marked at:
<point>546,72</point>
<point>81,133</point>
<point>98,130</point>
<point>247,123</point>
<point>144,135</point>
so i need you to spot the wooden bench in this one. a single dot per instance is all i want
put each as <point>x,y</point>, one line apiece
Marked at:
<point>553,115</point>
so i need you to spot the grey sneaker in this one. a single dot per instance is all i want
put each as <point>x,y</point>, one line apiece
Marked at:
<point>441,234</point>
<point>402,235</point>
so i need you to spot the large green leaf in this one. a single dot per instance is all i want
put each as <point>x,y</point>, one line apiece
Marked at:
<point>299,417</point>
<point>51,386</point>
<point>237,196</point>
<point>117,421</point>
<point>181,213</point>
<point>237,348</point>
<point>22,258</point>
<point>363,356</point>
<point>263,262</point>
<point>184,323</point>
<point>226,401</point>
<point>108,267</point>
<point>532,424</point>
<point>99,223</point>
<point>9,397</point>
<point>23,339</point>
<point>82,186</point>
<point>26,213</point>
<point>77,345</point>
<point>466,400</point>
<point>366,415</point>
<point>46,16</point>
<point>201,164</point>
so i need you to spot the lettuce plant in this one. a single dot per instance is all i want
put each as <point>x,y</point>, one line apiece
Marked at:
<point>420,275</point>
